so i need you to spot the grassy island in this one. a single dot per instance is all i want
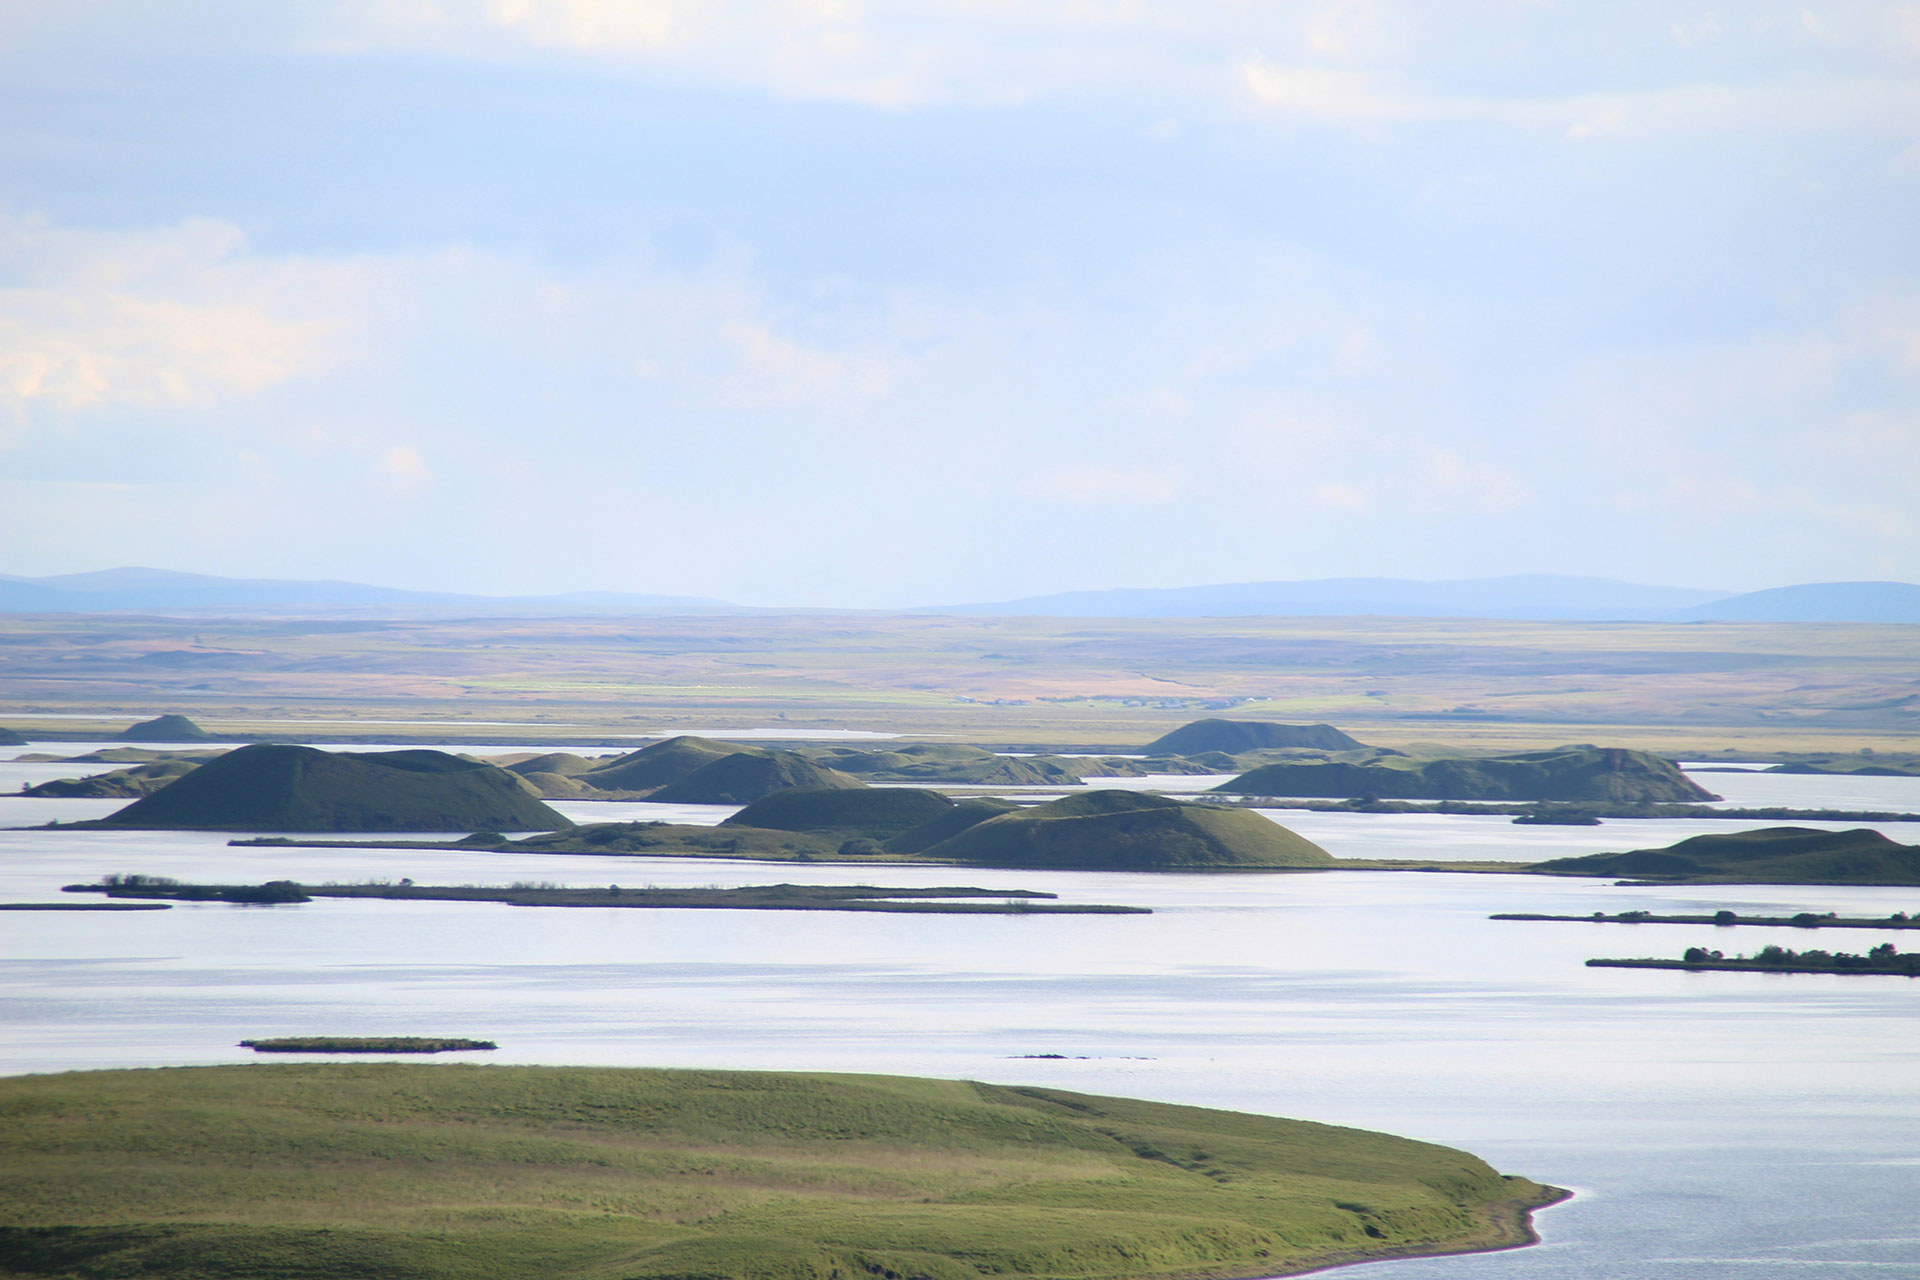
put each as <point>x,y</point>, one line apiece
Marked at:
<point>1772,855</point>
<point>1725,919</point>
<point>947,900</point>
<point>1883,959</point>
<point>1578,773</point>
<point>365,1044</point>
<point>462,1172</point>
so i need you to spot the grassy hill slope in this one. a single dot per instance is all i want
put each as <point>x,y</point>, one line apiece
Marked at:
<point>1771,855</point>
<point>1125,830</point>
<point>1235,736</point>
<point>445,1172</point>
<point>1565,773</point>
<point>660,763</point>
<point>746,776</point>
<point>269,787</point>
<point>876,813</point>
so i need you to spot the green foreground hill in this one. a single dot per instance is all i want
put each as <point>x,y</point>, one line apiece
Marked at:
<point>1771,855</point>
<point>454,1172</point>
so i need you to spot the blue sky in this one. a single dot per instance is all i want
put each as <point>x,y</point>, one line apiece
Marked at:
<point>837,304</point>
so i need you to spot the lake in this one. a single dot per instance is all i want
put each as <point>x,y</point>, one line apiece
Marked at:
<point>1714,1125</point>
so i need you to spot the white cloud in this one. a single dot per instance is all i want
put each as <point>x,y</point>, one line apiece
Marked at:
<point>772,368</point>
<point>174,316</point>
<point>643,25</point>
<point>404,465</point>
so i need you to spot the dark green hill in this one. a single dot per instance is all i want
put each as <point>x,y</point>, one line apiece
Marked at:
<point>665,839</point>
<point>408,1171</point>
<point>268,787</point>
<point>1855,766</point>
<point>8,738</point>
<point>950,823</point>
<point>951,763</point>
<point>661,763</point>
<point>165,729</point>
<point>746,776</point>
<point>1235,736</point>
<point>120,784</point>
<point>1128,831</point>
<point>558,786</point>
<point>1771,855</point>
<point>1564,773</point>
<point>564,763</point>
<point>876,813</point>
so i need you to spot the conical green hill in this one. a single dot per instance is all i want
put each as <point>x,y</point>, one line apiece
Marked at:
<point>269,787</point>
<point>744,777</point>
<point>1235,736</point>
<point>660,763</point>
<point>877,813</point>
<point>1564,773</point>
<point>951,823</point>
<point>165,729</point>
<point>564,763</point>
<point>1127,831</point>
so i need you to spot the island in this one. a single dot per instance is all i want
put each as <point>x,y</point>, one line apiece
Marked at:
<point>946,900</point>
<point>340,1171</point>
<point>1884,959</point>
<point>1574,773</point>
<point>1724,919</point>
<point>1098,830</point>
<point>1770,855</point>
<point>1131,831</point>
<point>365,1044</point>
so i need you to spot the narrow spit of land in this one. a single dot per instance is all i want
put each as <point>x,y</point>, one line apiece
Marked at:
<point>1883,959</point>
<point>1726,919</point>
<point>365,1044</point>
<point>1578,813</point>
<point>948,900</point>
<point>86,906</point>
<point>455,1171</point>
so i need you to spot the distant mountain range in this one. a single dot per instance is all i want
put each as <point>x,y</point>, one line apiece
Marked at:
<point>1534,597</point>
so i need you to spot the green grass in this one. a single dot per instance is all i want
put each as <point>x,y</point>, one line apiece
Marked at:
<point>423,1172</point>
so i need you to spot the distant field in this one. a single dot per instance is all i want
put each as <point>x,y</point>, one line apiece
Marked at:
<point>341,1172</point>
<point>1693,689</point>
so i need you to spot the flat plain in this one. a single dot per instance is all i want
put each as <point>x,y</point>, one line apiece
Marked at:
<point>1698,689</point>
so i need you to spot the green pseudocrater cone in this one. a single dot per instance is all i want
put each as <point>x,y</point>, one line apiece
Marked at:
<point>404,1170</point>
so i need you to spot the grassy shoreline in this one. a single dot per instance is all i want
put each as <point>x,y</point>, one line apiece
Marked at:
<point>462,1172</point>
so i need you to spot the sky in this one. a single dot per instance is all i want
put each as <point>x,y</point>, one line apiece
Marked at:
<point>823,303</point>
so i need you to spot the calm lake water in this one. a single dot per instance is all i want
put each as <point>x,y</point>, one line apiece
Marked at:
<point>1714,1125</point>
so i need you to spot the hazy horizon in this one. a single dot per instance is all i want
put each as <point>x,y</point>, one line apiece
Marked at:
<point>819,305</point>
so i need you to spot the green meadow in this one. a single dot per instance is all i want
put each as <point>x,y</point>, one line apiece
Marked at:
<point>409,1171</point>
